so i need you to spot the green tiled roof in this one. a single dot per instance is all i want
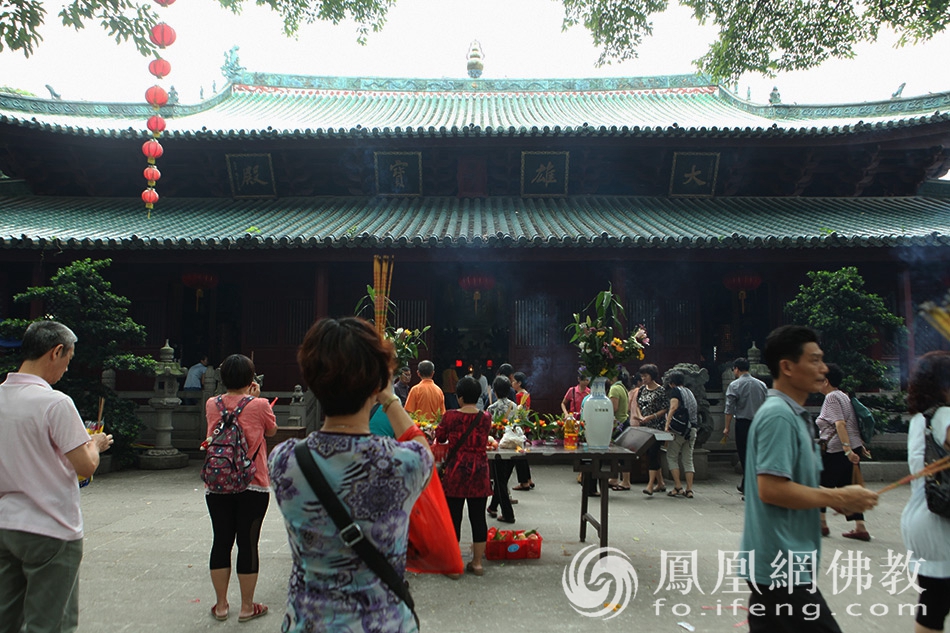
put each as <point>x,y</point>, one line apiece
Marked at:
<point>272,105</point>
<point>33,222</point>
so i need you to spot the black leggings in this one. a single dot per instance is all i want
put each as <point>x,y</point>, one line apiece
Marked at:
<point>934,601</point>
<point>476,516</point>
<point>653,456</point>
<point>237,516</point>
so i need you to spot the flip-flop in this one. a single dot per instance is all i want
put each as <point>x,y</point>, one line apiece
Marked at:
<point>620,488</point>
<point>217,616</point>
<point>259,610</point>
<point>675,492</point>
<point>523,487</point>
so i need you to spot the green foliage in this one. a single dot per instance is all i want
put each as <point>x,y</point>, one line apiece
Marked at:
<point>764,37</point>
<point>850,320</point>
<point>888,410</point>
<point>80,298</point>
<point>601,346</point>
<point>20,20</point>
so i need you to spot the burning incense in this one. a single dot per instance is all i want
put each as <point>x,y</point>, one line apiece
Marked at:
<point>102,402</point>
<point>930,469</point>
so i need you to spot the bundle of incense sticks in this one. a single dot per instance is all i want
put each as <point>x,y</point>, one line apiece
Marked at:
<point>382,282</point>
<point>930,469</point>
<point>102,402</point>
<point>937,316</point>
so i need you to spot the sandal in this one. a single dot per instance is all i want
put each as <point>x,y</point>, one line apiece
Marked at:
<point>259,610</point>
<point>675,492</point>
<point>472,569</point>
<point>523,487</point>
<point>647,492</point>
<point>620,488</point>
<point>688,494</point>
<point>217,616</point>
<point>660,489</point>
<point>492,513</point>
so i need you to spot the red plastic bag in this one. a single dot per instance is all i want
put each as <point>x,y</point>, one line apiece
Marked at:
<point>433,548</point>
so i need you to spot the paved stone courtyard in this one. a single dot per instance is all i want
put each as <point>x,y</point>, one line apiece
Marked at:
<point>148,536</point>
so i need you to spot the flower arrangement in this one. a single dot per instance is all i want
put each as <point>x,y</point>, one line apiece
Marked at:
<point>406,342</point>
<point>601,346</point>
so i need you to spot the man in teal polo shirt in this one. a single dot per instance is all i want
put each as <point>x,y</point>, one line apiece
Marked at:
<point>781,539</point>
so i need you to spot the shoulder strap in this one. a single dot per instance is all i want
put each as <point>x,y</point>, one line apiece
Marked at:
<point>471,427</point>
<point>350,531</point>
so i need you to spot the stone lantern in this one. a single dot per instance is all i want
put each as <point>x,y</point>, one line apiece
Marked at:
<point>167,372</point>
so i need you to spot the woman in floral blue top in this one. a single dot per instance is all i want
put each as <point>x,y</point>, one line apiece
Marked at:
<point>348,367</point>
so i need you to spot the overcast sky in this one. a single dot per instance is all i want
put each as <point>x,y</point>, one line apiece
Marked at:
<point>430,38</point>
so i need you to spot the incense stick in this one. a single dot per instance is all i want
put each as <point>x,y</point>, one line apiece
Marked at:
<point>930,469</point>
<point>102,402</point>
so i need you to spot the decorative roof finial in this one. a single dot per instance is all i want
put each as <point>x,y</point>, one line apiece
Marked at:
<point>774,96</point>
<point>232,69</point>
<point>475,56</point>
<point>897,93</point>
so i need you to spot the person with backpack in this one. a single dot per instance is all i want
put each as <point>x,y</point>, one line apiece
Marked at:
<point>237,488</point>
<point>926,533</point>
<point>838,433</point>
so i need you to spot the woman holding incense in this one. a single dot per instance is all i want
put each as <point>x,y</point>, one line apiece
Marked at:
<point>926,534</point>
<point>348,366</point>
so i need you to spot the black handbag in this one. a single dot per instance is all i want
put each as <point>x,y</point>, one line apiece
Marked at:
<point>350,531</point>
<point>937,486</point>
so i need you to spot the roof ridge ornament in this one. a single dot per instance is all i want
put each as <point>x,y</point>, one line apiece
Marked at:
<point>475,64</point>
<point>232,68</point>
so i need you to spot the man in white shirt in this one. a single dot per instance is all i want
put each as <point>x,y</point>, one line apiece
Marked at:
<point>43,447</point>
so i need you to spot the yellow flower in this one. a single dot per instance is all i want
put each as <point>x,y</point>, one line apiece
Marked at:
<point>639,354</point>
<point>600,332</point>
<point>603,371</point>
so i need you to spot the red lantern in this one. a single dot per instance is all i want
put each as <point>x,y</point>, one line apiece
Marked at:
<point>152,175</point>
<point>149,197</point>
<point>164,3</point>
<point>156,124</point>
<point>742,282</point>
<point>159,67</point>
<point>156,96</point>
<point>152,150</point>
<point>162,35</point>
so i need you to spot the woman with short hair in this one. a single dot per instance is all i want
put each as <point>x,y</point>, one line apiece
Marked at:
<point>348,366</point>
<point>466,480</point>
<point>650,410</point>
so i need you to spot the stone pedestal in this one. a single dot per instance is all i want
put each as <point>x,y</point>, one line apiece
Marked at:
<point>164,455</point>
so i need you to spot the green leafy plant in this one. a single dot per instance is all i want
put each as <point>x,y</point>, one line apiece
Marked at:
<point>80,298</point>
<point>601,345</point>
<point>850,320</point>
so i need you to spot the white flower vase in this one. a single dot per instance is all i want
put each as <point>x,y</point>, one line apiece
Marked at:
<point>598,415</point>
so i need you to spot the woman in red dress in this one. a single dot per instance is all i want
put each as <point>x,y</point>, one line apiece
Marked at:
<point>466,478</point>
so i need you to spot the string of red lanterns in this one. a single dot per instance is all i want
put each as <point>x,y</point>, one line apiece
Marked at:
<point>161,36</point>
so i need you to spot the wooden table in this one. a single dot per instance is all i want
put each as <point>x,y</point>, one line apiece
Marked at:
<point>600,465</point>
